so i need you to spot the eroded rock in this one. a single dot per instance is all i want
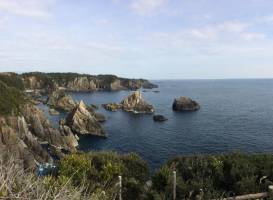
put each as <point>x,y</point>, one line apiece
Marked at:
<point>136,103</point>
<point>82,121</point>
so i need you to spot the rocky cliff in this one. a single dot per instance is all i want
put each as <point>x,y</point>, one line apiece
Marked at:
<point>30,138</point>
<point>81,82</point>
<point>25,132</point>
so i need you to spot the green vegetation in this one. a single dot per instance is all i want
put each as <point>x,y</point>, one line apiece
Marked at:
<point>100,171</point>
<point>209,176</point>
<point>95,176</point>
<point>48,79</point>
<point>12,80</point>
<point>11,99</point>
<point>217,176</point>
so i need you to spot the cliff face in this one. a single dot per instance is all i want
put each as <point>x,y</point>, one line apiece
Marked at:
<point>30,138</point>
<point>82,82</point>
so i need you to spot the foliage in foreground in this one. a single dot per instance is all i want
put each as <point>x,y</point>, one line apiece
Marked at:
<point>15,183</point>
<point>215,176</point>
<point>101,171</point>
<point>95,176</point>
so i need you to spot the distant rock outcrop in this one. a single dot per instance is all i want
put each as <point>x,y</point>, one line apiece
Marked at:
<point>82,121</point>
<point>136,103</point>
<point>159,118</point>
<point>81,82</point>
<point>58,99</point>
<point>185,104</point>
<point>133,103</point>
<point>112,106</point>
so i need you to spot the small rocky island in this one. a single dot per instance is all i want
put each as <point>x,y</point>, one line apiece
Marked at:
<point>159,118</point>
<point>133,103</point>
<point>185,104</point>
<point>136,103</point>
<point>84,122</point>
<point>59,100</point>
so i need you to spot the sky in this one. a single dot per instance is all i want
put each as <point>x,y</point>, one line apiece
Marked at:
<point>153,39</point>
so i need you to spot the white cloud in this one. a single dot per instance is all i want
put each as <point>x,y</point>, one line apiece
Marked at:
<point>30,8</point>
<point>225,31</point>
<point>143,7</point>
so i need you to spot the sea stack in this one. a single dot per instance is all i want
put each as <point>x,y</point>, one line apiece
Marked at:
<point>81,121</point>
<point>185,104</point>
<point>136,103</point>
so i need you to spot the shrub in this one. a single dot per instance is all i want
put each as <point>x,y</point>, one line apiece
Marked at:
<point>220,175</point>
<point>101,170</point>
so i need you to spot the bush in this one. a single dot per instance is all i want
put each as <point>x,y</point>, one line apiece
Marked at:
<point>101,170</point>
<point>234,173</point>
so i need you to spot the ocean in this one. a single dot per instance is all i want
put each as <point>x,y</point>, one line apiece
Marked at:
<point>235,115</point>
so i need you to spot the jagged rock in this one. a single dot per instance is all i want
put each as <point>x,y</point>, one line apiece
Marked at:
<point>71,139</point>
<point>24,138</point>
<point>81,121</point>
<point>52,111</point>
<point>60,100</point>
<point>18,142</point>
<point>185,104</point>
<point>135,103</point>
<point>111,106</point>
<point>159,118</point>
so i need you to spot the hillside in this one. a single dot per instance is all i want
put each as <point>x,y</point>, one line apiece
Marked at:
<point>81,82</point>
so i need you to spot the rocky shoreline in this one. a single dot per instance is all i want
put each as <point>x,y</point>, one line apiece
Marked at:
<point>27,134</point>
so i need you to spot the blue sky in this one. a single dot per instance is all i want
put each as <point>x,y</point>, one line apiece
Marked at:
<point>154,39</point>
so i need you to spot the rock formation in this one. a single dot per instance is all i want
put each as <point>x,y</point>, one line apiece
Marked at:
<point>30,138</point>
<point>82,121</point>
<point>185,104</point>
<point>112,106</point>
<point>135,103</point>
<point>60,100</point>
<point>159,118</point>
